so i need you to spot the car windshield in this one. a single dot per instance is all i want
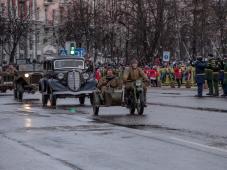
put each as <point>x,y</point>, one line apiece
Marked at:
<point>68,63</point>
<point>30,67</point>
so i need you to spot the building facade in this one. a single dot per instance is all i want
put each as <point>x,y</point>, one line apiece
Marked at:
<point>44,16</point>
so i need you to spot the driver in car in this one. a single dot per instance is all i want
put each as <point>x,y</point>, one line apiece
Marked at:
<point>132,74</point>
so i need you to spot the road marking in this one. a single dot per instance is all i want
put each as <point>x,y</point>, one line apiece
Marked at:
<point>199,144</point>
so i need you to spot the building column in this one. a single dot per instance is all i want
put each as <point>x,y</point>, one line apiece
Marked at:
<point>34,33</point>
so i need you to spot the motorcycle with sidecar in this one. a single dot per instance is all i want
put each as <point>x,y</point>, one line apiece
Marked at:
<point>133,98</point>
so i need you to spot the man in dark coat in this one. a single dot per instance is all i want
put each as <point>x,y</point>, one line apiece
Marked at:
<point>200,66</point>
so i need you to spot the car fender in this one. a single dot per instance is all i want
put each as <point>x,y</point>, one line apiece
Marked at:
<point>55,85</point>
<point>89,85</point>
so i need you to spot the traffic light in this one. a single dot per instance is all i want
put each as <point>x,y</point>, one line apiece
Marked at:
<point>70,46</point>
<point>72,49</point>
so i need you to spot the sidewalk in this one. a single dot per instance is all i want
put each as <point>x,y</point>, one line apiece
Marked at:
<point>184,98</point>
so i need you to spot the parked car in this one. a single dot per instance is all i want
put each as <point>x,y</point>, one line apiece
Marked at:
<point>66,77</point>
<point>6,81</point>
<point>27,78</point>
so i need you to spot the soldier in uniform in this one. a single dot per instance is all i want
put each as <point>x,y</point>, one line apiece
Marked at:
<point>108,81</point>
<point>225,76</point>
<point>209,74</point>
<point>221,74</point>
<point>216,67</point>
<point>134,73</point>
<point>200,75</point>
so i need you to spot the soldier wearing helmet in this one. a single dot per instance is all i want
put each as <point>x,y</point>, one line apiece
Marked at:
<point>134,73</point>
<point>209,74</point>
<point>110,81</point>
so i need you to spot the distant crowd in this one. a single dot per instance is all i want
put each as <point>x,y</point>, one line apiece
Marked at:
<point>169,75</point>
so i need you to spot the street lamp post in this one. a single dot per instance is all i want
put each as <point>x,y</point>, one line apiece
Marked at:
<point>1,43</point>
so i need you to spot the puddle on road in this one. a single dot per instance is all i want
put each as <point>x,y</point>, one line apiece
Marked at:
<point>147,127</point>
<point>218,144</point>
<point>171,93</point>
<point>89,128</point>
<point>33,103</point>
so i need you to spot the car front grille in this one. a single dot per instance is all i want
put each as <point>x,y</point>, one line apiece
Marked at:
<point>74,80</point>
<point>35,78</point>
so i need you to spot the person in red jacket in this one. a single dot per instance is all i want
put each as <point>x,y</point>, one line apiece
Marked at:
<point>98,75</point>
<point>178,75</point>
<point>153,76</point>
<point>147,70</point>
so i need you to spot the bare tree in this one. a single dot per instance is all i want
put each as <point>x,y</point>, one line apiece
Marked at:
<point>145,28</point>
<point>15,27</point>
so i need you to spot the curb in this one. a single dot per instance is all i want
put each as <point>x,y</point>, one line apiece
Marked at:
<point>189,107</point>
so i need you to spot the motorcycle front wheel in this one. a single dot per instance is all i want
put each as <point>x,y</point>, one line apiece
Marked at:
<point>140,104</point>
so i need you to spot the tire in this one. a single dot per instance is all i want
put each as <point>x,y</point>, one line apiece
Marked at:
<point>132,110</point>
<point>82,100</point>
<point>131,104</point>
<point>95,110</point>
<point>140,104</point>
<point>91,99</point>
<point>45,98</point>
<point>132,107</point>
<point>15,94</point>
<point>53,100</point>
<point>20,96</point>
<point>95,106</point>
<point>20,92</point>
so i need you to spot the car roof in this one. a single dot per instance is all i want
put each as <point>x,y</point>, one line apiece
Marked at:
<point>52,58</point>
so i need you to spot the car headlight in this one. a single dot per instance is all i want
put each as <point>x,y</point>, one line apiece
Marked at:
<point>26,75</point>
<point>138,83</point>
<point>60,76</point>
<point>86,76</point>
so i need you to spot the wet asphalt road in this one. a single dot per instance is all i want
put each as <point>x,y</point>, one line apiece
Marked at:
<point>177,132</point>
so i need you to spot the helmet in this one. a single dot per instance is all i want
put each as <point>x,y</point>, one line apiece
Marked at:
<point>134,61</point>
<point>200,58</point>
<point>225,57</point>
<point>210,56</point>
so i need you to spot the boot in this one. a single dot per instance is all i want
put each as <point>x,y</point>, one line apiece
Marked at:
<point>145,99</point>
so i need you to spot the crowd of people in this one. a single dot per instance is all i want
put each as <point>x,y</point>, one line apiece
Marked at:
<point>166,75</point>
<point>214,71</point>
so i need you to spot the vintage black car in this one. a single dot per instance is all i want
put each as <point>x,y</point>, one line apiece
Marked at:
<point>27,78</point>
<point>66,77</point>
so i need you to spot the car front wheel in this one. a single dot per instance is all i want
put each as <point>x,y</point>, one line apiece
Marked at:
<point>15,94</point>
<point>20,92</point>
<point>53,100</point>
<point>45,98</point>
<point>82,100</point>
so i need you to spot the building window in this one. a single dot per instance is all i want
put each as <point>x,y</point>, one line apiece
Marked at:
<point>30,42</point>
<point>37,37</point>
<point>37,13</point>
<point>2,8</point>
